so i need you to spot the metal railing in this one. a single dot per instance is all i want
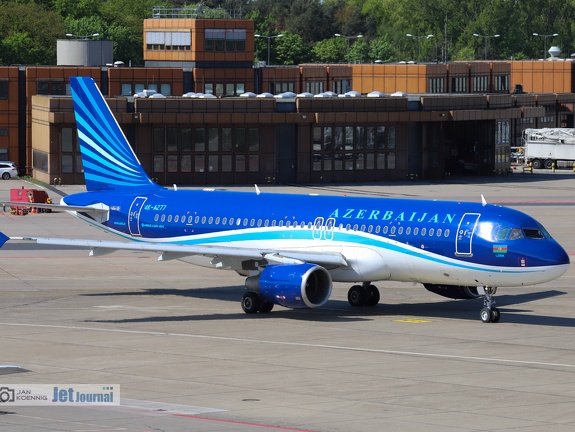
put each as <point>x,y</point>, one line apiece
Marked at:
<point>197,12</point>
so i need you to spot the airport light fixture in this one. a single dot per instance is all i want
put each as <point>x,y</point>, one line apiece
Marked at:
<point>419,42</point>
<point>486,39</point>
<point>84,37</point>
<point>545,41</point>
<point>269,38</point>
<point>348,39</point>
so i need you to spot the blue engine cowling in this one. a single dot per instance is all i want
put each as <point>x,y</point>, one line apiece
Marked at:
<point>457,292</point>
<point>295,286</point>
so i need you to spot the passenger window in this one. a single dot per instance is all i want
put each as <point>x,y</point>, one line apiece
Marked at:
<point>423,231</point>
<point>210,220</point>
<point>169,218</point>
<point>224,220</point>
<point>408,230</point>
<point>302,224</point>
<point>197,220</point>
<point>218,220</point>
<point>156,217</point>
<point>252,222</point>
<point>274,223</point>
<point>190,219</point>
<point>370,228</point>
<point>363,228</point>
<point>281,223</point>
<point>309,225</point>
<point>439,232</point>
<point>431,231</point>
<point>163,218</point>
<point>203,220</point>
<point>400,230</point>
<point>392,231</point>
<point>348,227</point>
<point>259,222</point>
<point>415,231</point>
<point>355,227</point>
<point>176,218</point>
<point>377,229</point>
<point>266,223</point>
<point>446,233</point>
<point>385,229</point>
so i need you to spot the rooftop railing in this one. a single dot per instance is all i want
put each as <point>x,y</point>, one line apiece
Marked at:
<point>196,12</point>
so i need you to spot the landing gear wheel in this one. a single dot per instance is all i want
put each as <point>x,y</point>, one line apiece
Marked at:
<point>495,315</point>
<point>251,302</point>
<point>372,296</point>
<point>266,306</point>
<point>486,315</point>
<point>356,296</point>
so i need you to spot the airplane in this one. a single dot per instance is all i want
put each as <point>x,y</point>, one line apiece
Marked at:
<point>290,247</point>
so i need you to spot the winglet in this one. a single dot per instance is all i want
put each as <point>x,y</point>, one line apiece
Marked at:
<point>3,239</point>
<point>483,201</point>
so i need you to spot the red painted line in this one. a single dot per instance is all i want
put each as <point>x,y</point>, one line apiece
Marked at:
<point>240,423</point>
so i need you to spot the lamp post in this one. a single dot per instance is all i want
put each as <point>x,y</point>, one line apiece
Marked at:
<point>545,41</point>
<point>486,38</point>
<point>269,38</point>
<point>348,39</point>
<point>84,37</point>
<point>419,42</point>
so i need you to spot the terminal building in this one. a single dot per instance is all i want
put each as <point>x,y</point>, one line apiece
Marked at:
<point>200,113</point>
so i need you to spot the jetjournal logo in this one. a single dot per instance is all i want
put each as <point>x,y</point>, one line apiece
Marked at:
<point>60,394</point>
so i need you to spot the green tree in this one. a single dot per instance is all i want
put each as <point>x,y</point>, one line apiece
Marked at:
<point>291,50</point>
<point>28,33</point>
<point>332,50</point>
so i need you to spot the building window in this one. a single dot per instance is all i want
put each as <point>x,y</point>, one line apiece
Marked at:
<point>459,85</point>
<point>436,85</point>
<point>480,84</point>
<point>501,83</point>
<point>229,40</point>
<point>3,90</point>
<point>170,41</point>
<point>126,89</point>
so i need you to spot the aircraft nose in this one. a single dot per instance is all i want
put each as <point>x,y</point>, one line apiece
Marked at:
<point>557,255</point>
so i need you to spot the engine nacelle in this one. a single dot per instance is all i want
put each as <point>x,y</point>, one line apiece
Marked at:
<point>295,286</point>
<point>458,292</point>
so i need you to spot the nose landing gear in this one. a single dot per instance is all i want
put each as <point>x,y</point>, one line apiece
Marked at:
<point>489,313</point>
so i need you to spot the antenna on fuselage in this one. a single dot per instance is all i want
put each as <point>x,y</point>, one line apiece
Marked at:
<point>483,202</point>
<point>257,190</point>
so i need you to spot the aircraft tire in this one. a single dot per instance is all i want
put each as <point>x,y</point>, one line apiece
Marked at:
<point>372,296</point>
<point>485,315</point>
<point>495,315</point>
<point>266,306</point>
<point>251,302</point>
<point>356,296</point>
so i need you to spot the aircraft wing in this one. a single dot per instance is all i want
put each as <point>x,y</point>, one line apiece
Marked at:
<point>169,251</point>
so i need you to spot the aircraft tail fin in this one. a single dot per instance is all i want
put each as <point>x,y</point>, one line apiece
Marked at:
<point>108,159</point>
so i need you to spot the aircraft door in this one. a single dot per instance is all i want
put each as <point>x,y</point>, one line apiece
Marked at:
<point>465,230</point>
<point>134,215</point>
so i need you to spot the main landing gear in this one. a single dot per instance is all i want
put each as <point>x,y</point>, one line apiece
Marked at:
<point>252,302</point>
<point>489,313</point>
<point>363,295</point>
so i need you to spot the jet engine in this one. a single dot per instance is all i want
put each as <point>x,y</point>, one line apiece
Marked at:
<point>295,286</point>
<point>458,292</point>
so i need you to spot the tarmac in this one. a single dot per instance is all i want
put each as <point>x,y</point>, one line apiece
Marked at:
<point>174,337</point>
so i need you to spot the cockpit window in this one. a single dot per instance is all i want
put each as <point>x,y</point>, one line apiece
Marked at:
<point>502,234</point>
<point>516,234</point>
<point>533,233</point>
